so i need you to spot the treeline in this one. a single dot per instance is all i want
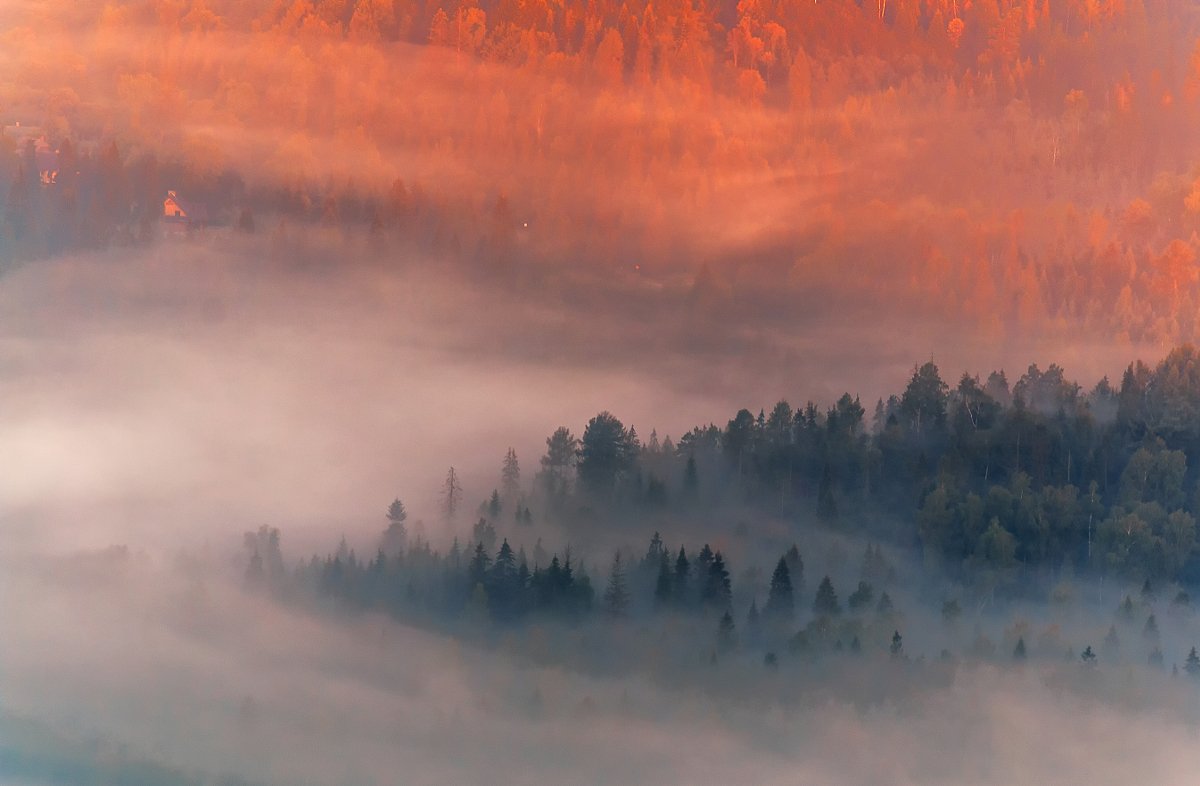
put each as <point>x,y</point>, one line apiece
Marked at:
<point>987,478</point>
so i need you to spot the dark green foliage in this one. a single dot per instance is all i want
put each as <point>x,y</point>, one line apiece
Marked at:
<point>795,564</point>
<point>717,592</point>
<point>826,601</point>
<point>1192,664</point>
<point>616,594</point>
<point>607,453</point>
<point>862,597</point>
<point>663,584</point>
<point>1087,656</point>
<point>780,599</point>
<point>682,578</point>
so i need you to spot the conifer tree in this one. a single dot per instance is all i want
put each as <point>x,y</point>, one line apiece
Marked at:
<point>897,647</point>
<point>1192,664</point>
<point>1150,631</point>
<point>1019,650</point>
<point>682,578</point>
<point>616,595</point>
<point>510,476</point>
<point>1088,656</point>
<point>795,565</point>
<point>663,584</point>
<point>861,597</point>
<point>717,591</point>
<point>781,602</point>
<point>826,602</point>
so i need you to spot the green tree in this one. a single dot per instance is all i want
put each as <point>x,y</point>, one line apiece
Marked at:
<point>826,601</point>
<point>510,476</point>
<point>616,595</point>
<point>606,453</point>
<point>452,493</point>
<point>1019,650</point>
<point>861,597</point>
<point>780,599</point>
<point>1192,664</point>
<point>558,464</point>
<point>923,405</point>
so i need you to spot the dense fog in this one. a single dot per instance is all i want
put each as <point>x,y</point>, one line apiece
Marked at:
<point>599,392</point>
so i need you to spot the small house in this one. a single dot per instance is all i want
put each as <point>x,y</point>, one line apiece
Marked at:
<point>181,215</point>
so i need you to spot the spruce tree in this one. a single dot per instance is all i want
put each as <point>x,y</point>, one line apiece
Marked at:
<point>1192,664</point>
<point>1150,631</point>
<point>1088,656</point>
<point>663,585</point>
<point>781,602</point>
<point>616,596</point>
<point>795,564</point>
<point>1019,650</point>
<point>897,647</point>
<point>717,592</point>
<point>861,597</point>
<point>826,602</point>
<point>682,578</point>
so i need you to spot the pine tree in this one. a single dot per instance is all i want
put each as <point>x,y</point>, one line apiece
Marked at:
<point>494,505</point>
<point>1088,657</point>
<point>682,578</point>
<point>477,570</point>
<point>1150,631</point>
<point>663,584</point>
<point>717,591</point>
<point>1019,650</point>
<point>826,602</point>
<point>1192,664</point>
<point>616,596</point>
<point>510,476</point>
<point>726,633</point>
<point>897,647</point>
<point>452,493</point>
<point>795,564</point>
<point>781,602</point>
<point>861,597</point>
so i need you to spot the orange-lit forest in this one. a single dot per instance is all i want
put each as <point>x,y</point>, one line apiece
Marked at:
<point>1014,166</point>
